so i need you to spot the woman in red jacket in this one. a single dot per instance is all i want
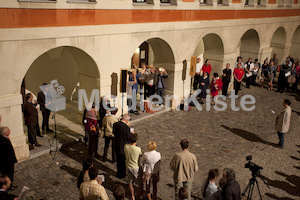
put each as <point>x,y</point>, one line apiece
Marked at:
<point>216,85</point>
<point>206,67</point>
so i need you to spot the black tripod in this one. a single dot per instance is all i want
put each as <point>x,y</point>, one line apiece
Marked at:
<point>54,139</point>
<point>249,188</point>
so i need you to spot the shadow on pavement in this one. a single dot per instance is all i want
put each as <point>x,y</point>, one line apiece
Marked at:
<point>291,185</point>
<point>79,152</point>
<point>249,136</point>
<point>276,197</point>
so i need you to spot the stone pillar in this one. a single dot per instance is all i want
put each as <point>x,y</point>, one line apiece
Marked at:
<point>265,52</point>
<point>286,52</point>
<point>12,117</point>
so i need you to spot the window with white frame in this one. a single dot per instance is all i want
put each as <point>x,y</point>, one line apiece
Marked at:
<point>202,1</point>
<point>81,1</point>
<point>249,2</point>
<point>220,2</point>
<point>261,2</point>
<point>206,2</point>
<point>289,3</point>
<point>171,2</point>
<point>38,1</point>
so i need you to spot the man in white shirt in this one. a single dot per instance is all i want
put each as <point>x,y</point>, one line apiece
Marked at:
<point>198,74</point>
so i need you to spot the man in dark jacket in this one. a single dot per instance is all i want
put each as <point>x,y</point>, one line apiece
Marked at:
<point>231,190</point>
<point>226,79</point>
<point>5,184</point>
<point>31,120</point>
<point>7,154</point>
<point>121,132</point>
<point>46,112</point>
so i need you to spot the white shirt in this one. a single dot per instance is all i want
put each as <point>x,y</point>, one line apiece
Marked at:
<point>212,191</point>
<point>149,160</point>
<point>198,67</point>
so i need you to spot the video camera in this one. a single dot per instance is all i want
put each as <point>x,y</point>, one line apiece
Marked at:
<point>254,168</point>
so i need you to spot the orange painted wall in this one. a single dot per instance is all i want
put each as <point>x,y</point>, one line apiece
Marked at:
<point>272,1</point>
<point>21,18</point>
<point>188,0</point>
<point>236,1</point>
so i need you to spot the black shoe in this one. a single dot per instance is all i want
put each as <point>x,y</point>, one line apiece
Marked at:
<point>49,130</point>
<point>97,156</point>
<point>39,135</point>
<point>104,159</point>
<point>136,112</point>
<point>131,111</point>
<point>31,147</point>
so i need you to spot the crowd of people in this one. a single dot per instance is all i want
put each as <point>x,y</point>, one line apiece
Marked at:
<point>143,168</point>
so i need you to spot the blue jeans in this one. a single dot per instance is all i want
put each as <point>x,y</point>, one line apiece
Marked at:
<point>281,139</point>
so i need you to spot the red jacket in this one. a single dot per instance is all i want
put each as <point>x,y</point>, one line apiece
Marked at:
<point>213,83</point>
<point>206,68</point>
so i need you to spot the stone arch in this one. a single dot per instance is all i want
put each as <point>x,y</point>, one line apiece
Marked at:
<point>69,65</point>
<point>249,45</point>
<point>159,54</point>
<point>295,45</point>
<point>211,47</point>
<point>278,42</point>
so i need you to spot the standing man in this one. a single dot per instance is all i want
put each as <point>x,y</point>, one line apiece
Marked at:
<point>107,126</point>
<point>275,59</point>
<point>283,121</point>
<point>238,74</point>
<point>7,154</point>
<point>226,79</point>
<point>43,107</point>
<point>31,120</point>
<point>282,79</point>
<point>198,74</point>
<point>231,189</point>
<point>92,189</point>
<point>121,132</point>
<point>184,164</point>
<point>249,67</point>
<point>162,75</point>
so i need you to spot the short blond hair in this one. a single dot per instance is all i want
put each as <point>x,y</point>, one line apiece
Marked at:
<point>152,145</point>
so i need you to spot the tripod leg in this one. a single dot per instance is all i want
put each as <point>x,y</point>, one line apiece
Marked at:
<point>258,189</point>
<point>250,190</point>
<point>247,189</point>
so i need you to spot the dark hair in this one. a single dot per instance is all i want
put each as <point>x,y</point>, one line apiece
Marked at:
<point>184,144</point>
<point>119,192</point>
<point>93,173</point>
<point>237,59</point>
<point>287,101</point>
<point>87,164</point>
<point>230,174</point>
<point>183,194</point>
<point>212,174</point>
<point>27,96</point>
<point>114,110</point>
<point>206,61</point>
<point>216,75</point>
<point>133,138</point>
<point>256,59</point>
<point>45,84</point>
<point>3,181</point>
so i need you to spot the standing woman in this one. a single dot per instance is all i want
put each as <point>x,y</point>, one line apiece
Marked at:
<point>206,67</point>
<point>264,73</point>
<point>272,74</point>
<point>151,167</point>
<point>204,82</point>
<point>298,76</point>
<point>216,86</point>
<point>91,127</point>
<point>292,78</point>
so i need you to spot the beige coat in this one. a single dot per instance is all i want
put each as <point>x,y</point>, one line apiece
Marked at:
<point>184,164</point>
<point>107,125</point>
<point>283,121</point>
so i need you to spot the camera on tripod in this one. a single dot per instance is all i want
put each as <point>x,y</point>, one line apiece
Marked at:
<point>254,168</point>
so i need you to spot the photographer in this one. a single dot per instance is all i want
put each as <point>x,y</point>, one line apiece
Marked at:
<point>231,189</point>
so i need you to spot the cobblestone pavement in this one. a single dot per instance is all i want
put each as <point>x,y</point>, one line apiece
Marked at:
<point>219,140</point>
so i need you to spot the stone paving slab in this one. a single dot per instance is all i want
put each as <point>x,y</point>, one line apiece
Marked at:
<point>218,139</point>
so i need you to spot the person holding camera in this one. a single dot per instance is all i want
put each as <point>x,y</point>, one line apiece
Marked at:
<point>283,121</point>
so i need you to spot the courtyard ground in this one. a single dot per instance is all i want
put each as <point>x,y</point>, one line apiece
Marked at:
<point>218,139</point>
